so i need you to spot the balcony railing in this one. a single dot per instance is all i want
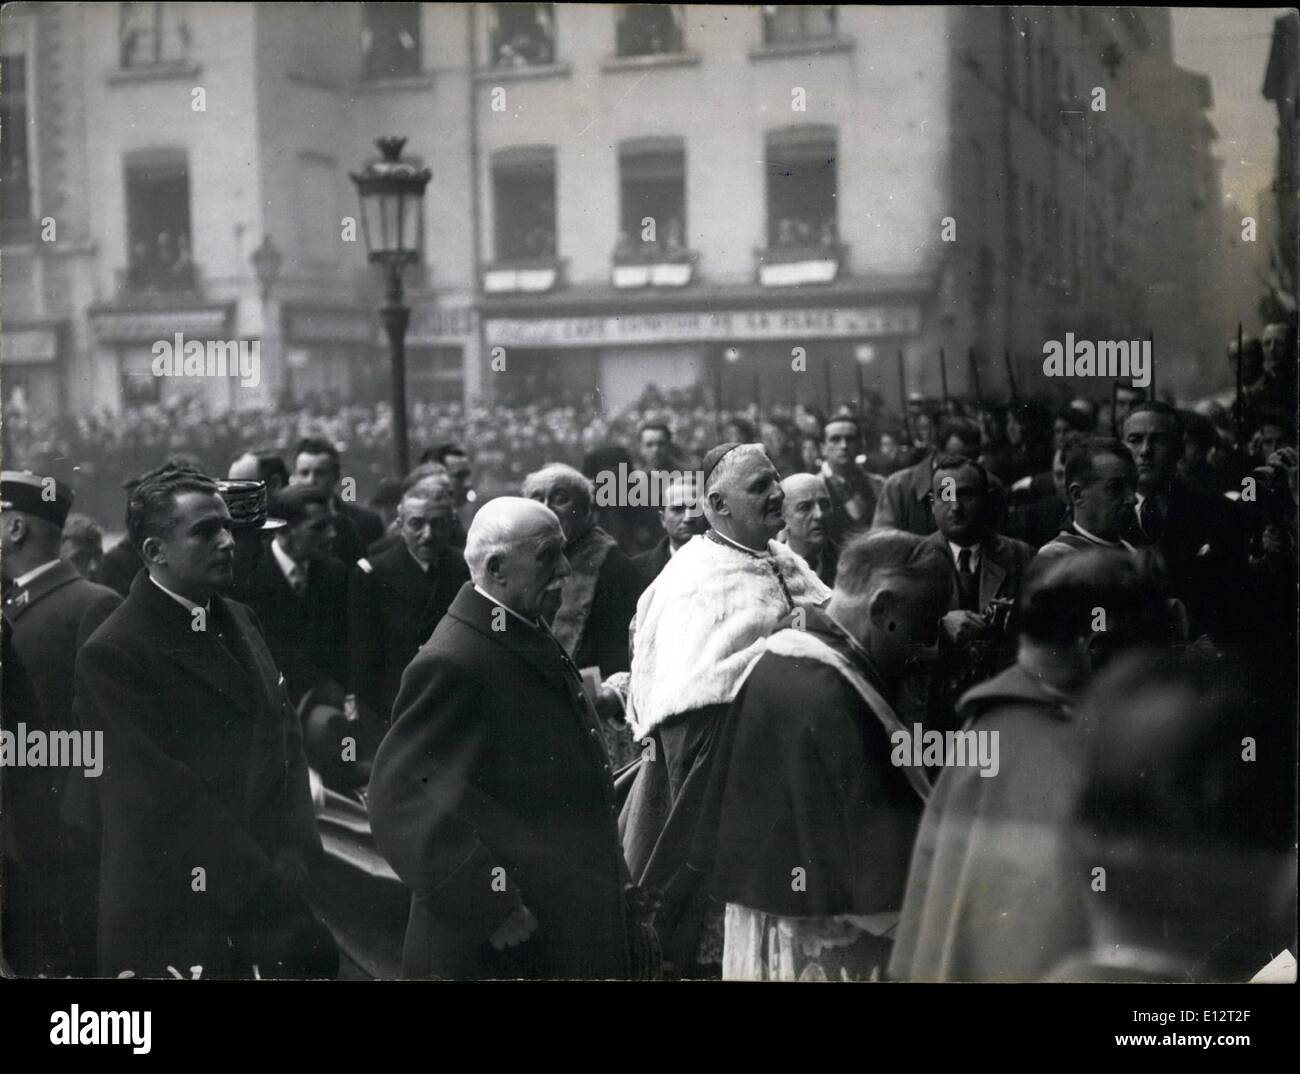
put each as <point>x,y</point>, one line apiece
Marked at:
<point>528,275</point>
<point>790,265</point>
<point>653,265</point>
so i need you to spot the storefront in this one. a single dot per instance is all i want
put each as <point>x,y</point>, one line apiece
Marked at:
<point>776,351</point>
<point>330,353</point>
<point>126,342</point>
<point>33,361</point>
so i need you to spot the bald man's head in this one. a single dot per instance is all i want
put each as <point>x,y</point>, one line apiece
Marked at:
<point>515,552</point>
<point>805,510</point>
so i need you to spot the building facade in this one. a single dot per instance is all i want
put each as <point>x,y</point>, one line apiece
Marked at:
<point>771,202</point>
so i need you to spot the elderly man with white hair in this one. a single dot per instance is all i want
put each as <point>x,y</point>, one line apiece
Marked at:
<point>599,595</point>
<point>397,596</point>
<point>697,628</point>
<point>491,796</point>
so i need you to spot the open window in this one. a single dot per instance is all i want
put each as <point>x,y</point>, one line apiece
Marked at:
<point>521,35</point>
<point>650,29</point>
<point>152,35</point>
<point>158,221</point>
<point>390,40</point>
<point>788,23</point>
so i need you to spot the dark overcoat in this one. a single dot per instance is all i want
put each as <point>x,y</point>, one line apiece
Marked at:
<point>203,769</point>
<point>393,607</point>
<point>52,616</point>
<point>492,790</point>
<point>308,634</point>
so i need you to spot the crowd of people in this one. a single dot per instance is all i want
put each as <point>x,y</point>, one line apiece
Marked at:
<point>970,693</point>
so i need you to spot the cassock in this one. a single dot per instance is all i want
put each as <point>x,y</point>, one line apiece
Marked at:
<point>52,616</point>
<point>990,896</point>
<point>698,626</point>
<point>816,823</point>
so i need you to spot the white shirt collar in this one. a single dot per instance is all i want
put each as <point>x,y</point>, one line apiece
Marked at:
<point>35,572</point>
<point>184,602</point>
<point>1099,541</point>
<point>974,551</point>
<point>287,565</point>
<point>511,611</point>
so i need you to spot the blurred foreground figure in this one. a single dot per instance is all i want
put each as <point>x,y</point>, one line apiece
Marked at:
<point>987,896</point>
<point>491,796</point>
<point>1184,835</point>
<point>207,831</point>
<point>817,822</point>
<point>52,610</point>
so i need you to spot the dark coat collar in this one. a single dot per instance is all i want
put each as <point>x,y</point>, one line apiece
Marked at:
<point>529,644</point>
<point>56,577</point>
<point>228,666</point>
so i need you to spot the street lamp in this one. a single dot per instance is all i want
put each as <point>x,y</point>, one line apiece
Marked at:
<point>392,222</point>
<point>267,260</point>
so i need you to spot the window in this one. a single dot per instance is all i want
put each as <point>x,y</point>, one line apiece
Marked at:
<point>158,221</point>
<point>785,23</point>
<point>523,187</point>
<point>152,34</point>
<point>652,187</point>
<point>15,176</point>
<point>649,29</point>
<point>522,35</point>
<point>390,40</point>
<point>801,188</point>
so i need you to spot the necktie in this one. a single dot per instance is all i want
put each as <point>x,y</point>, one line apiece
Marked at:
<point>1150,518</point>
<point>967,583</point>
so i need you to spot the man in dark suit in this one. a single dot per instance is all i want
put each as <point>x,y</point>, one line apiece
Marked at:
<point>1203,539</point>
<point>52,611</point>
<point>316,462</point>
<point>300,594</point>
<point>682,519</point>
<point>396,598</point>
<point>207,831</point>
<point>491,795</point>
<point>984,564</point>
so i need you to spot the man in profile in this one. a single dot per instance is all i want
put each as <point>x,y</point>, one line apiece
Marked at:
<point>491,796</point>
<point>208,833</point>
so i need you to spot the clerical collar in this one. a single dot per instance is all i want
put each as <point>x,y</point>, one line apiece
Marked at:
<point>721,539</point>
<point>484,593</point>
<point>184,602</point>
<point>28,576</point>
<point>856,646</point>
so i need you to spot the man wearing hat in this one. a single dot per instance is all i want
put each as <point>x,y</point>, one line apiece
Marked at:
<point>207,828</point>
<point>697,628</point>
<point>399,595</point>
<point>52,611</point>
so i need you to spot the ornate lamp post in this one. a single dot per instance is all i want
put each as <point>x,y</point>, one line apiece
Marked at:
<point>391,191</point>
<point>267,260</point>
